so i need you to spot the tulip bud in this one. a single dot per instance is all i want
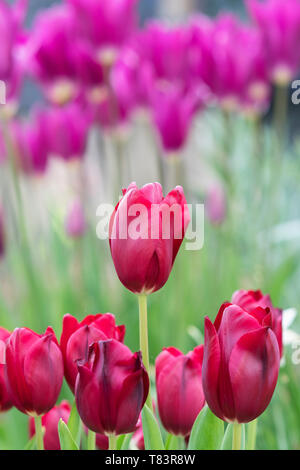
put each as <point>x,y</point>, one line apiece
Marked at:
<point>76,338</point>
<point>240,364</point>
<point>180,395</point>
<point>111,388</point>
<point>75,223</point>
<point>34,370</point>
<point>50,423</point>
<point>146,231</point>
<point>5,401</point>
<point>250,300</point>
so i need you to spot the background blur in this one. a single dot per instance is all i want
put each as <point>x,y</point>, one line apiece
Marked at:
<point>61,157</point>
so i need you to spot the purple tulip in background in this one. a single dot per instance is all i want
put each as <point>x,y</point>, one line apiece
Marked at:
<point>215,204</point>
<point>279,24</point>
<point>75,222</point>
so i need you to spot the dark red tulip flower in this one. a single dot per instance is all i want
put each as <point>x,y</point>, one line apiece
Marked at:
<point>34,370</point>
<point>180,394</point>
<point>249,300</point>
<point>111,388</point>
<point>240,364</point>
<point>5,401</point>
<point>50,423</point>
<point>77,336</point>
<point>146,231</point>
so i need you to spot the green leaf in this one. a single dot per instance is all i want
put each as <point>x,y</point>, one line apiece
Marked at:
<point>31,444</point>
<point>74,425</point>
<point>126,442</point>
<point>151,430</point>
<point>172,442</point>
<point>227,440</point>
<point>120,440</point>
<point>207,432</point>
<point>65,437</point>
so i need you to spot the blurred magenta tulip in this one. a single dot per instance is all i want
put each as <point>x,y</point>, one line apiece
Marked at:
<point>230,58</point>
<point>106,24</point>
<point>5,400</point>
<point>66,130</point>
<point>50,424</point>
<point>34,369</point>
<point>77,337</point>
<point>30,144</point>
<point>144,241</point>
<point>180,395</point>
<point>279,23</point>
<point>240,364</point>
<point>216,204</point>
<point>111,388</point>
<point>53,53</point>
<point>250,300</point>
<point>173,112</point>
<point>75,223</point>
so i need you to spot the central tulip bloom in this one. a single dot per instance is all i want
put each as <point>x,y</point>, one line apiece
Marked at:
<point>77,337</point>
<point>50,423</point>
<point>34,370</point>
<point>5,401</point>
<point>240,364</point>
<point>179,389</point>
<point>145,234</point>
<point>249,300</point>
<point>111,388</point>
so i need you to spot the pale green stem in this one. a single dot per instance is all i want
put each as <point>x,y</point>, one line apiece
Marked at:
<point>91,440</point>
<point>280,116</point>
<point>251,437</point>
<point>112,439</point>
<point>39,433</point>
<point>144,339</point>
<point>237,436</point>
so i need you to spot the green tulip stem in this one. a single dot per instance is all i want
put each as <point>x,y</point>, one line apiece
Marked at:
<point>237,436</point>
<point>91,440</point>
<point>39,433</point>
<point>251,438</point>
<point>112,439</point>
<point>144,339</point>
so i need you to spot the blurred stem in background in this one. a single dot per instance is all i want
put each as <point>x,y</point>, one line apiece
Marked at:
<point>280,117</point>
<point>112,439</point>
<point>34,288</point>
<point>143,323</point>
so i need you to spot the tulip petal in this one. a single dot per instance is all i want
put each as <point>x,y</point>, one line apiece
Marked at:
<point>253,369</point>
<point>70,324</point>
<point>43,372</point>
<point>211,368</point>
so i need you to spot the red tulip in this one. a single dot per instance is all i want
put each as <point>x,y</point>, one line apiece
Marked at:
<point>250,300</point>
<point>77,337</point>
<point>240,364</point>
<point>5,400</point>
<point>111,388</point>
<point>50,423</point>
<point>34,370</point>
<point>180,395</point>
<point>143,241</point>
